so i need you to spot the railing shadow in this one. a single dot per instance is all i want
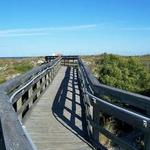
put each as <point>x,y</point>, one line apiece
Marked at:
<point>68,106</point>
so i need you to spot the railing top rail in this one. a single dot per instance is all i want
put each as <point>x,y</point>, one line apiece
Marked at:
<point>63,57</point>
<point>123,114</point>
<point>32,80</point>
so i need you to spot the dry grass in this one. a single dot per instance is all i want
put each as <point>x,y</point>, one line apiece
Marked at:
<point>9,68</point>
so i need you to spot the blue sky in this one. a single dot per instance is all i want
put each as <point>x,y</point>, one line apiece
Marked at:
<point>43,27</point>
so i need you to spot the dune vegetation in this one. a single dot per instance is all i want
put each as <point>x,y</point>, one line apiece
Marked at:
<point>12,67</point>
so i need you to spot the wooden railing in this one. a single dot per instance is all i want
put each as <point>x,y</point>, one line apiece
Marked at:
<point>131,109</point>
<point>21,93</point>
<point>66,60</point>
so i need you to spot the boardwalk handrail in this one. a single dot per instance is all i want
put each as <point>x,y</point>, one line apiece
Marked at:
<point>32,80</point>
<point>21,92</point>
<point>94,93</point>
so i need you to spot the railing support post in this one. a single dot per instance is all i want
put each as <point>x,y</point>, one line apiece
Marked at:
<point>43,80</point>
<point>30,95</point>
<point>47,79</point>
<point>88,112</point>
<point>96,114</point>
<point>19,105</point>
<point>53,73</point>
<point>51,77</point>
<point>147,141</point>
<point>147,135</point>
<point>38,86</point>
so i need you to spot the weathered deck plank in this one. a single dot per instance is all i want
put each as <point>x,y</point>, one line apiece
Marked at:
<point>56,122</point>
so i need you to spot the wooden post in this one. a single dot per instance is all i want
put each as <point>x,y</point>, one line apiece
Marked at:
<point>89,114</point>
<point>19,105</point>
<point>47,79</point>
<point>96,118</point>
<point>30,95</point>
<point>38,86</point>
<point>147,135</point>
<point>147,141</point>
<point>88,111</point>
<point>73,62</point>
<point>50,73</point>
<point>54,71</point>
<point>59,64</point>
<point>43,80</point>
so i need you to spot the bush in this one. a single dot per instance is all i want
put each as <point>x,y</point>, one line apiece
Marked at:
<point>126,73</point>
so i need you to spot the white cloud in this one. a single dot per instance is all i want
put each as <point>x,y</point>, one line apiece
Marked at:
<point>42,31</point>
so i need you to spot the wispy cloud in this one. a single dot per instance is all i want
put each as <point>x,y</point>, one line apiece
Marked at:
<point>137,29</point>
<point>42,31</point>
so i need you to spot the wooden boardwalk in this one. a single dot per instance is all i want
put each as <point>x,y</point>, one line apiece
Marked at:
<point>57,120</point>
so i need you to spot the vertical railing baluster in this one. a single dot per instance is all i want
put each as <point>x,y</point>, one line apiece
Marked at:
<point>50,75</point>
<point>30,95</point>
<point>89,114</point>
<point>43,80</point>
<point>38,87</point>
<point>147,135</point>
<point>96,120</point>
<point>19,105</point>
<point>47,79</point>
<point>53,73</point>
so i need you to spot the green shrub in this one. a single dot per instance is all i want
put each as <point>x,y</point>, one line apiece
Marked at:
<point>22,68</point>
<point>126,73</point>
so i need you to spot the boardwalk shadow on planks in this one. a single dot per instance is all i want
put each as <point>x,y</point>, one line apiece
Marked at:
<point>68,107</point>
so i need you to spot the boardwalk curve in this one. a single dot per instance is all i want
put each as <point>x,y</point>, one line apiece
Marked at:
<point>56,122</point>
